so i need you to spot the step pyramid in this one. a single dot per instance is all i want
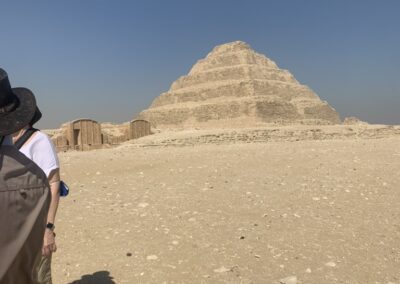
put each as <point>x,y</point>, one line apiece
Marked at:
<point>234,86</point>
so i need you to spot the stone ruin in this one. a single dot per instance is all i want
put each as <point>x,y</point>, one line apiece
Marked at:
<point>234,86</point>
<point>87,134</point>
<point>353,121</point>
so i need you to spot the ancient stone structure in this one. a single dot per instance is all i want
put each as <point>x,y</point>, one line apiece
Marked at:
<point>139,128</point>
<point>353,121</point>
<point>87,134</point>
<point>119,133</point>
<point>114,134</point>
<point>80,134</point>
<point>236,87</point>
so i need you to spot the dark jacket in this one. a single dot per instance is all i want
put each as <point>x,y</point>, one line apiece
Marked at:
<point>24,203</point>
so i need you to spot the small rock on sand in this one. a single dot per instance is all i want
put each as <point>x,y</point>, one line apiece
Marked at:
<point>222,269</point>
<point>288,280</point>
<point>143,205</point>
<point>330,264</point>
<point>152,257</point>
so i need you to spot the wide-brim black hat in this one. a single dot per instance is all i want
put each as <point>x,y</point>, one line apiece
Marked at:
<point>17,106</point>
<point>36,116</point>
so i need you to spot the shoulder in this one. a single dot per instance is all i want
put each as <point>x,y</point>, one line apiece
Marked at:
<point>41,137</point>
<point>41,140</point>
<point>43,152</point>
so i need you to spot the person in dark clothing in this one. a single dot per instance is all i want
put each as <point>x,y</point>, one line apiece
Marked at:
<point>24,191</point>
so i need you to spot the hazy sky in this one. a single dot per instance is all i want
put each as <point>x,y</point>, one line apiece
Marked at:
<point>108,60</point>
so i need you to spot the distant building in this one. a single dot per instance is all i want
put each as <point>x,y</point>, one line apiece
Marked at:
<point>138,128</point>
<point>86,134</point>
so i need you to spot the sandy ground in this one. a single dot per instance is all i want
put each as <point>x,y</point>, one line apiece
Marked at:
<point>323,211</point>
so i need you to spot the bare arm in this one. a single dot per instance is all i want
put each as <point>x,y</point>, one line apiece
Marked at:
<point>54,180</point>
<point>49,244</point>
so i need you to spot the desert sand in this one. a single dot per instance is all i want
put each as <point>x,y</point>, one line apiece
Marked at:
<point>185,207</point>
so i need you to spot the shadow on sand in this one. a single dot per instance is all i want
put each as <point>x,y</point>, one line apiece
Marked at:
<point>99,277</point>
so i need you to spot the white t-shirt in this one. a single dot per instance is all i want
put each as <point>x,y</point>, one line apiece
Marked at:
<point>41,150</point>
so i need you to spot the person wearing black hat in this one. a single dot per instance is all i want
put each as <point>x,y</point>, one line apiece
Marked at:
<point>24,191</point>
<point>38,147</point>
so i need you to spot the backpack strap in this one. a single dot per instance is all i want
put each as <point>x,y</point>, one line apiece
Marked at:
<point>22,140</point>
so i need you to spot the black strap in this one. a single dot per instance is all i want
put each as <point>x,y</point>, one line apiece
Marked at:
<point>21,140</point>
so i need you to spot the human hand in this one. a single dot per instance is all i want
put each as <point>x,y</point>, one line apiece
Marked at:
<point>49,243</point>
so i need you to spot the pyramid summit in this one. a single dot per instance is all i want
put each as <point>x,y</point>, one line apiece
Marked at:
<point>234,86</point>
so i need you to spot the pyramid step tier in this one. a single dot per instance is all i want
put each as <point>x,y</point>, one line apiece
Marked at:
<point>239,72</point>
<point>234,88</point>
<point>260,109</point>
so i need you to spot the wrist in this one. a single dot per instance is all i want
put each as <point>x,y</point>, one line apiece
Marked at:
<point>49,233</point>
<point>50,226</point>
